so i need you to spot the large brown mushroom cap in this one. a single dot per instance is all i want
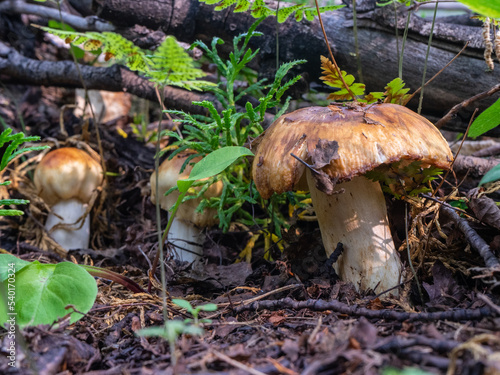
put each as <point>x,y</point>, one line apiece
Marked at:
<point>67,173</point>
<point>367,136</point>
<point>169,173</point>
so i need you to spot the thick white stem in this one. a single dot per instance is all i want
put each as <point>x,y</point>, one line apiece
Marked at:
<point>187,240</point>
<point>69,212</point>
<point>358,219</point>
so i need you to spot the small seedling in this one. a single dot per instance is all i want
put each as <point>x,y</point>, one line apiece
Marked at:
<point>195,311</point>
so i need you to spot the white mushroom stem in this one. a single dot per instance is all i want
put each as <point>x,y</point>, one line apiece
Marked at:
<point>358,219</point>
<point>187,240</point>
<point>68,212</point>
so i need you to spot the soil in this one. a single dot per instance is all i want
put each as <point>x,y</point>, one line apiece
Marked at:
<point>285,312</point>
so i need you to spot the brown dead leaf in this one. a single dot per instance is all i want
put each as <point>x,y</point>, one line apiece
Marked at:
<point>486,210</point>
<point>324,183</point>
<point>375,304</point>
<point>445,287</point>
<point>353,343</point>
<point>324,152</point>
<point>277,318</point>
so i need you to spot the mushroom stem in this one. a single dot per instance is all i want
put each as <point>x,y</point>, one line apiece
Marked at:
<point>358,219</point>
<point>68,212</point>
<point>187,240</point>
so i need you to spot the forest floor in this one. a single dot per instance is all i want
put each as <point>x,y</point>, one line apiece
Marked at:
<point>289,315</point>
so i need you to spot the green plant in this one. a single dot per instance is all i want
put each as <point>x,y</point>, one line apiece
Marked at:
<point>486,121</point>
<point>195,311</point>
<point>258,9</point>
<point>172,329</point>
<point>405,371</point>
<point>232,127</point>
<point>168,65</point>
<point>11,142</point>
<point>490,8</point>
<point>42,293</point>
<point>395,91</point>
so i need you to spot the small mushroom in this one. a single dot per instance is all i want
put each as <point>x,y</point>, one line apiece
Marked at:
<point>186,232</point>
<point>66,179</point>
<point>341,144</point>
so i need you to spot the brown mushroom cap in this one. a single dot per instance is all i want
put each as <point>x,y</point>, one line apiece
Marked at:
<point>367,136</point>
<point>168,173</point>
<point>67,173</point>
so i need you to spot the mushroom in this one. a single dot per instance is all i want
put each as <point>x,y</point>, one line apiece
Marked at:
<point>66,179</point>
<point>342,144</point>
<point>186,231</point>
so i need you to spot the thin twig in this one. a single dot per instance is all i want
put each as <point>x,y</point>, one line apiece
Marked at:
<point>421,98</point>
<point>489,302</point>
<point>465,104</point>
<point>79,23</point>
<point>339,72</point>
<point>473,238</point>
<point>457,153</point>
<point>437,74</point>
<point>235,363</point>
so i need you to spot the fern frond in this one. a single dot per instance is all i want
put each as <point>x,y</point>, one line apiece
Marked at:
<point>332,79</point>
<point>259,9</point>
<point>395,92</point>
<point>170,64</point>
<point>225,4</point>
<point>113,45</point>
<point>310,13</point>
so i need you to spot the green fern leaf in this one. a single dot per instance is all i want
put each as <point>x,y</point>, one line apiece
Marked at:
<point>310,13</point>
<point>284,13</point>
<point>225,4</point>
<point>373,97</point>
<point>331,78</point>
<point>171,65</point>
<point>395,92</point>
<point>113,45</point>
<point>260,9</point>
<point>242,6</point>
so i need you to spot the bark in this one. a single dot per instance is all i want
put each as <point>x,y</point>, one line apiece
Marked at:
<point>15,68</point>
<point>189,20</point>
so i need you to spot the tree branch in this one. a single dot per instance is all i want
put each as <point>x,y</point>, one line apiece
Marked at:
<point>339,307</point>
<point>86,24</point>
<point>15,68</point>
<point>473,238</point>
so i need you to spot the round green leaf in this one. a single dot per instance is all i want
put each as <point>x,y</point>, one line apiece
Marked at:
<point>6,260</point>
<point>43,291</point>
<point>490,8</point>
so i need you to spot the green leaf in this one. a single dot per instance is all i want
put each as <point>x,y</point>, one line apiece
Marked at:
<point>6,260</point>
<point>170,64</point>
<point>487,120</point>
<point>182,303</point>
<point>492,175</point>
<point>43,291</point>
<point>208,307</point>
<point>6,212</point>
<point>170,331</point>
<point>396,92</point>
<point>214,163</point>
<point>490,8</point>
